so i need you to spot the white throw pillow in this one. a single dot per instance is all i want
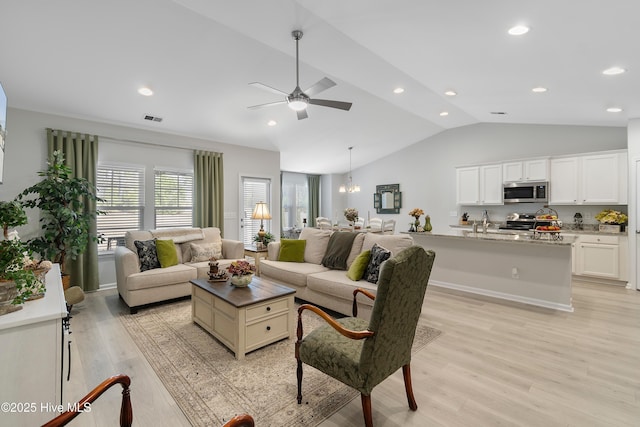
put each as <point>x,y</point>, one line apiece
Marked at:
<point>205,251</point>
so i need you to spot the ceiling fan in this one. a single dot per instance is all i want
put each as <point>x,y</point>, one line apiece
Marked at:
<point>299,99</point>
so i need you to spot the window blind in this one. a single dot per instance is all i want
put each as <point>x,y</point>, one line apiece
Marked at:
<point>173,199</point>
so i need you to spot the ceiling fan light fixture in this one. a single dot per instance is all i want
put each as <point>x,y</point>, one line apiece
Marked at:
<point>298,104</point>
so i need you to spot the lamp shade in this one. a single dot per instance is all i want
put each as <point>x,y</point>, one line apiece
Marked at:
<point>261,211</point>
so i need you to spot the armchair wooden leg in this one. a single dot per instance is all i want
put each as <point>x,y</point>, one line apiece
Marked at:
<point>299,374</point>
<point>406,372</point>
<point>366,410</point>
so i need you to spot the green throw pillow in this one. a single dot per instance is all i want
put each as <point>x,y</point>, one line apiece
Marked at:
<point>358,266</point>
<point>167,254</point>
<point>292,250</point>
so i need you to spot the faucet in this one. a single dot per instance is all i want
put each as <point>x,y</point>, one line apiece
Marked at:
<point>485,221</point>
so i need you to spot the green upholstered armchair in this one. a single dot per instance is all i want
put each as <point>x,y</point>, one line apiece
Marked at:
<point>362,354</point>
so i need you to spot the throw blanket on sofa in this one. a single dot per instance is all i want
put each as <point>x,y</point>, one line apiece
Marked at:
<point>179,235</point>
<point>338,250</point>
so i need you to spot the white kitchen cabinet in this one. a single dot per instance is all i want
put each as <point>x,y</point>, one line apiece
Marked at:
<point>599,256</point>
<point>479,185</point>
<point>526,170</point>
<point>594,179</point>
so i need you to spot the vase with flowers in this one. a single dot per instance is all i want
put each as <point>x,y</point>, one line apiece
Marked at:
<point>351,214</point>
<point>241,273</point>
<point>611,220</point>
<point>416,213</point>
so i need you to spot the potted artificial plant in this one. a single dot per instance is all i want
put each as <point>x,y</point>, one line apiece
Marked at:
<point>16,283</point>
<point>65,217</point>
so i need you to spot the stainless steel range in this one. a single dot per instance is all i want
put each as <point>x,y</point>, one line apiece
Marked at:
<point>523,222</point>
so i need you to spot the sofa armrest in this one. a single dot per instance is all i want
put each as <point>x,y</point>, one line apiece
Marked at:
<point>273,251</point>
<point>126,264</point>
<point>232,249</point>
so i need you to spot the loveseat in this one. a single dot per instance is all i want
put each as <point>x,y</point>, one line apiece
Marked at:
<point>140,282</point>
<point>327,287</point>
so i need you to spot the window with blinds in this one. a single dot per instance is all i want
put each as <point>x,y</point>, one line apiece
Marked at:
<point>173,199</point>
<point>122,189</point>
<point>254,190</point>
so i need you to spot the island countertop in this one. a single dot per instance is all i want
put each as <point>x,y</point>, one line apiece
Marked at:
<point>530,237</point>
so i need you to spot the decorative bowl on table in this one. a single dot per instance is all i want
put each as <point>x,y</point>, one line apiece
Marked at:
<point>241,281</point>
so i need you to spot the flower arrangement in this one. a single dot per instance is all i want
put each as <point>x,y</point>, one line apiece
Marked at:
<point>268,237</point>
<point>351,214</point>
<point>609,216</point>
<point>416,213</point>
<point>241,268</point>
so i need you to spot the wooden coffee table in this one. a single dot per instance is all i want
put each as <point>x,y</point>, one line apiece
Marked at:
<point>244,319</point>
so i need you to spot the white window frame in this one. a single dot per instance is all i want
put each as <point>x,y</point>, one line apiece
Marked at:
<point>249,227</point>
<point>184,203</point>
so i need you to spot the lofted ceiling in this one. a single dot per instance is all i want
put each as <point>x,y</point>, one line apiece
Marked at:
<point>87,59</point>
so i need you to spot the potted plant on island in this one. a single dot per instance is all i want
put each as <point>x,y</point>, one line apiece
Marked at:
<point>65,214</point>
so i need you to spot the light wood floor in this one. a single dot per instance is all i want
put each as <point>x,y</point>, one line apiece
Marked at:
<point>496,363</point>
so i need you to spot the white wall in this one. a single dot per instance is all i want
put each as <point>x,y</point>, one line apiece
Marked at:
<point>633,136</point>
<point>426,170</point>
<point>26,152</point>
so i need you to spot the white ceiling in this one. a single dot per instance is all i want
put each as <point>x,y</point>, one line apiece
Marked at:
<point>87,58</point>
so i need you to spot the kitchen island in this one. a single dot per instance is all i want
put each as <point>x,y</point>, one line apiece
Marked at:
<point>511,266</point>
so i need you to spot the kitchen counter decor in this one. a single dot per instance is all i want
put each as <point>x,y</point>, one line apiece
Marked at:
<point>611,221</point>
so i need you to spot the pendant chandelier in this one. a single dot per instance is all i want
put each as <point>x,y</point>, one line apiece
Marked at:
<point>349,187</point>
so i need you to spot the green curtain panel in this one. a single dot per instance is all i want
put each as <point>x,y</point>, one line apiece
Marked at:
<point>81,155</point>
<point>314,199</point>
<point>208,180</point>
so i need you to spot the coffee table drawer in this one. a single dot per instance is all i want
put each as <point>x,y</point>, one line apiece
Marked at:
<point>267,331</point>
<point>267,309</point>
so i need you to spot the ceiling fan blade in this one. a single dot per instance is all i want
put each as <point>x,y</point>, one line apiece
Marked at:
<point>302,114</point>
<point>268,88</point>
<point>269,104</point>
<point>321,85</point>
<point>333,104</point>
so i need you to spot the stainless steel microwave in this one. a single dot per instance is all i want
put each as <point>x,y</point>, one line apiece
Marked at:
<point>526,192</point>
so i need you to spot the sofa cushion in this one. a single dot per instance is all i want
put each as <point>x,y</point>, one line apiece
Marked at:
<point>359,266</point>
<point>167,254</point>
<point>132,236</point>
<point>378,256</point>
<point>338,250</point>
<point>147,254</point>
<point>211,235</point>
<point>292,250</point>
<point>317,241</point>
<point>392,242</point>
<point>294,273</point>
<point>161,277</point>
<point>336,284</point>
<point>205,251</point>
<point>179,235</point>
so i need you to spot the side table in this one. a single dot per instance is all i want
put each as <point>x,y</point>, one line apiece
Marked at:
<point>252,251</point>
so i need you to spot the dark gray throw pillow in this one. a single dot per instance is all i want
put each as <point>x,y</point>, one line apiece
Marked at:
<point>148,254</point>
<point>378,256</point>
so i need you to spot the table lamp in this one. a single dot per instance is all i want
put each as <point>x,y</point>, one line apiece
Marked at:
<point>261,212</point>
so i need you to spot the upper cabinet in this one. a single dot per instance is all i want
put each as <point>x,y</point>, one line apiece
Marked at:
<point>596,179</point>
<point>526,170</point>
<point>479,185</point>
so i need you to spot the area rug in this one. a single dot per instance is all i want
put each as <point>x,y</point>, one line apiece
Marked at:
<point>211,386</point>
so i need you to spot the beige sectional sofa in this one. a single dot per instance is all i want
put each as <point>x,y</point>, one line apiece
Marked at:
<point>138,288</point>
<point>320,285</point>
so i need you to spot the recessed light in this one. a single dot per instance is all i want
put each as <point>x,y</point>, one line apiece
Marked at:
<point>398,90</point>
<point>451,93</point>
<point>613,71</point>
<point>444,113</point>
<point>272,123</point>
<point>539,89</point>
<point>518,30</point>
<point>145,91</point>
<point>614,109</point>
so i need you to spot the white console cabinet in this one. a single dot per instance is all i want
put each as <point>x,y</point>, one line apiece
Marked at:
<point>31,357</point>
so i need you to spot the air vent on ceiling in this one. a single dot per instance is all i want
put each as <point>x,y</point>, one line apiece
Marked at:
<point>498,112</point>
<point>152,118</point>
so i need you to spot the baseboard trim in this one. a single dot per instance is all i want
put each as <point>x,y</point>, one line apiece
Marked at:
<point>501,295</point>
